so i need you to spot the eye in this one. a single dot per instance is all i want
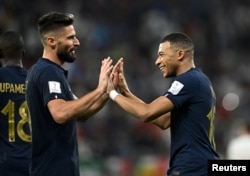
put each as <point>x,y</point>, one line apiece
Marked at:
<point>162,55</point>
<point>72,37</point>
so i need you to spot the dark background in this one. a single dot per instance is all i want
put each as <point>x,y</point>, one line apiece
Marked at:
<point>113,142</point>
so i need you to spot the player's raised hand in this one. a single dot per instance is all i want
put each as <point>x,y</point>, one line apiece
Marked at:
<point>122,83</point>
<point>105,72</point>
<point>115,73</point>
<point>114,79</point>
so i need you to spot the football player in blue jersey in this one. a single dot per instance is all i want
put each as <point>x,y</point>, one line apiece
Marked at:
<point>187,107</point>
<point>53,107</point>
<point>15,137</point>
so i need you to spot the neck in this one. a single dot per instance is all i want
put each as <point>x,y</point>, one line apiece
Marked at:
<point>17,63</point>
<point>52,57</point>
<point>186,67</point>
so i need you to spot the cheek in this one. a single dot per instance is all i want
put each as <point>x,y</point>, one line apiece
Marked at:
<point>171,65</point>
<point>65,44</point>
<point>167,61</point>
<point>64,48</point>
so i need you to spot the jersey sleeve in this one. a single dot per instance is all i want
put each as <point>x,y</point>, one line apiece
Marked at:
<point>51,82</point>
<point>181,91</point>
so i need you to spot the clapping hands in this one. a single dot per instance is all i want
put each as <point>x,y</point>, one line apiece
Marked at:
<point>117,79</point>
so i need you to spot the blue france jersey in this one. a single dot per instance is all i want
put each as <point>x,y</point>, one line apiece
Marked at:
<point>15,137</point>
<point>54,146</point>
<point>192,130</point>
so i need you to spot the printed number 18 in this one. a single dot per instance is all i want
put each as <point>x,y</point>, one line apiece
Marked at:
<point>9,110</point>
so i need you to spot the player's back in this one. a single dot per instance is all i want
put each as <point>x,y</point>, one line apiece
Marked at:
<point>15,137</point>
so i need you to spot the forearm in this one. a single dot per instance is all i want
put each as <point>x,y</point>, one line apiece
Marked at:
<point>162,122</point>
<point>156,112</point>
<point>131,96</point>
<point>133,105</point>
<point>63,111</point>
<point>96,107</point>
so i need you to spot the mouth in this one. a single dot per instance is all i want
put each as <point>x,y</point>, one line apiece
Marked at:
<point>72,52</point>
<point>161,68</point>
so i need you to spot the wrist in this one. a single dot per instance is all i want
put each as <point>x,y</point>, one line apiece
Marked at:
<point>125,92</point>
<point>113,94</point>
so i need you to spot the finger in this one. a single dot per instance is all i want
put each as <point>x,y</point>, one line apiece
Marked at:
<point>110,70</point>
<point>121,68</point>
<point>121,59</point>
<point>116,67</point>
<point>121,77</point>
<point>107,64</point>
<point>112,84</point>
<point>107,60</point>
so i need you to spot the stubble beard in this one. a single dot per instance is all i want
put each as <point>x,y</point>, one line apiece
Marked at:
<point>66,56</point>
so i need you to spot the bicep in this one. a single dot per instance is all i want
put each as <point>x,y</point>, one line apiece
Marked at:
<point>55,108</point>
<point>163,121</point>
<point>164,106</point>
<point>159,107</point>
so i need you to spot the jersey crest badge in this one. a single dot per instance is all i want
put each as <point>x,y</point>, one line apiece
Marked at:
<point>176,87</point>
<point>54,87</point>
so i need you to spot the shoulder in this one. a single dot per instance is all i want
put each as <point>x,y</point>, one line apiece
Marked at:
<point>192,78</point>
<point>192,74</point>
<point>13,71</point>
<point>42,64</point>
<point>43,67</point>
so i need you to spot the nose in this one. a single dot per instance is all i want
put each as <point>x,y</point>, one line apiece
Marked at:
<point>76,42</point>
<point>157,61</point>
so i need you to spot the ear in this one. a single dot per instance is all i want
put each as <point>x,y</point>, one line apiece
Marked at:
<point>181,54</point>
<point>51,42</point>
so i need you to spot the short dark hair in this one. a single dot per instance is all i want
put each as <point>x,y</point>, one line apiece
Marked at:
<point>11,39</point>
<point>179,40</point>
<point>11,44</point>
<point>53,21</point>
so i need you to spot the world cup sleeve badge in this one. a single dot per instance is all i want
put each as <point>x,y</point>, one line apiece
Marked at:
<point>176,87</point>
<point>54,87</point>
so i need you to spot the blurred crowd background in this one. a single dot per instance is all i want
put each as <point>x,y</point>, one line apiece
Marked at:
<point>113,143</point>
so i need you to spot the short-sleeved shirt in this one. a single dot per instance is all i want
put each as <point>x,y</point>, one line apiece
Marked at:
<point>54,146</point>
<point>15,137</point>
<point>192,130</point>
